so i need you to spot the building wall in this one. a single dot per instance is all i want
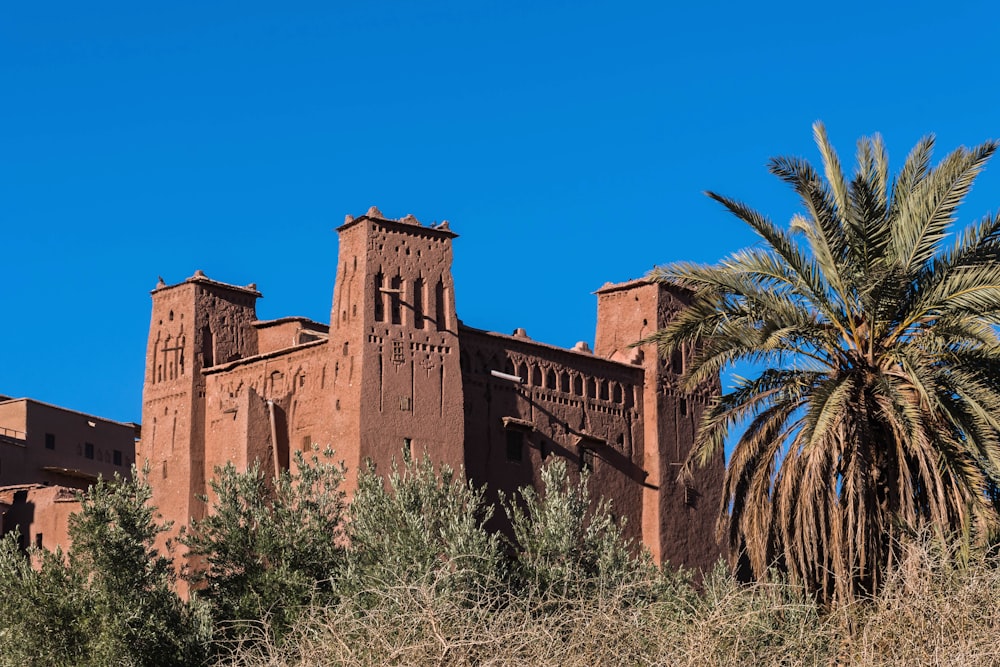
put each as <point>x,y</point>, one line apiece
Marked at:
<point>40,513</point>
<point>396,370</point>
<point>46,444</point>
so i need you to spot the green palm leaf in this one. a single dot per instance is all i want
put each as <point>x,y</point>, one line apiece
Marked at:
<point>877,411</point>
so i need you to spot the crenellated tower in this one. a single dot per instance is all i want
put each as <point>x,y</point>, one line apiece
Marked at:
<point>394,344</point>
<point>678,516</point>
<point>195,325</point>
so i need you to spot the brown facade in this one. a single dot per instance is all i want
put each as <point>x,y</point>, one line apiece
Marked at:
<point>396,369</point>
<point>46,454</point>
<point>46,444</point>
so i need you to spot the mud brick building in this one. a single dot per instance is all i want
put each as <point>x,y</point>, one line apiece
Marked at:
<point>46,454</point>
<point>395,368</point>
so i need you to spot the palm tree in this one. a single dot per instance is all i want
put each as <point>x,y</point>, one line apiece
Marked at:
<point>878,407</point>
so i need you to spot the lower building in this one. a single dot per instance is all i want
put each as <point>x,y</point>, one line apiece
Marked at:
<point>47,453</point>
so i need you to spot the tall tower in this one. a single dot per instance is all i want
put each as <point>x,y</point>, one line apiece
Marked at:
<point>677,516</point>
<point>195,324</point>
<point>394,344</point>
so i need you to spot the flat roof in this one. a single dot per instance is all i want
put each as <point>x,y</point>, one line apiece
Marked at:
<point>263,324</point>
<point>130,425</point>
<point>200,278</point>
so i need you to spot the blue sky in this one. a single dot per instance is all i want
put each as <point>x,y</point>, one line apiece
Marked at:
<point>568,143</point>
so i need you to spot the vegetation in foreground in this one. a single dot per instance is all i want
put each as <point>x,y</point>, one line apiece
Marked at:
<point>421,582</point>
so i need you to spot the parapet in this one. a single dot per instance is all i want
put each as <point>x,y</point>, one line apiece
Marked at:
<point>200,278</point>
<point>435,228</point>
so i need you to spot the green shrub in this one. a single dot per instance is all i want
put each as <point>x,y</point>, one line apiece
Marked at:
<point>109,600</point>
<point>267,547</point>
<point>567,545</point>
<point>420,525</point>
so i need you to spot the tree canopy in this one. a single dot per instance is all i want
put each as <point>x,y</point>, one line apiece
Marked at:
<point>872,323</point>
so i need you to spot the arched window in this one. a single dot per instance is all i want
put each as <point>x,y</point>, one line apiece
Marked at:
<point>522,372</point>
<point>550,379</point>
<point>564,382</point>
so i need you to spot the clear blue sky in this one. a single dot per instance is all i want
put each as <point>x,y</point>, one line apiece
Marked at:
<point>567,142</point>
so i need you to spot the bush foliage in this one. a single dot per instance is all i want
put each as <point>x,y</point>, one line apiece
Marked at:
<point>286,573</point>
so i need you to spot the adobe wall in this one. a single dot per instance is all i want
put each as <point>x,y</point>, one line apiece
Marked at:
<point>196,324</point>
<point>279,397</point>
<point>41,513</point>
<point>394,344</point>
<point>567,403</point>
<point>679,515</point>
<point>41,443</point>
<point>281,334</point>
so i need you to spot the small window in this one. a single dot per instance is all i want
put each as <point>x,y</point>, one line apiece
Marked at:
<point>408,446</point>
<point>50,441</point>
<point>88,450</point>
<point>38,540</point>
<point>677,362</point>
<point>684,407</point>
<point>587,460</point>
<point>117,457</point>
<point>515,446</point>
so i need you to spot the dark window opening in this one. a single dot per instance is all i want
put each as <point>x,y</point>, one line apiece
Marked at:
<point>591,388</point>
<point>515,446</point>
<point>408,446</point>
<point>50,441</point>
<point>207,347</point>
<point>677,362</point>
<point>418,303</point>
<point>38,540</point>
<point>543,449</point>
<point>690,496</point>
<point>88,450</point>
<point>684,407</point>
<point>395,303</point>
<point>586,460</point>
<point>604,390</point>
<point>564,382</point>
<point>117,458</point>
<point>379,298</point>
<point>536,376</point>
<point>550,379</point>
<point>578,385</point>
<point>439,305</point>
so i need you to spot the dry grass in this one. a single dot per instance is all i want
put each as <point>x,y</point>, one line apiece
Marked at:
<point>930,613</point>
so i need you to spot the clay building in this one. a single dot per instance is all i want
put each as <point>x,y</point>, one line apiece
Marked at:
<point>46,454</point>
<point>395,368</point>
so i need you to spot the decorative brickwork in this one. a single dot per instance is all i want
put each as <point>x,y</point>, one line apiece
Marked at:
<point>396,367</point>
